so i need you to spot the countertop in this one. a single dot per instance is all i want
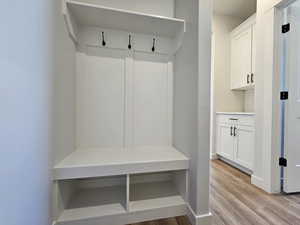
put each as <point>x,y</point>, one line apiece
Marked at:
<point>236,113</point>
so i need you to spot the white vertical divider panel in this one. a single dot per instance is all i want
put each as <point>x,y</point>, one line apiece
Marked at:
<point>152,100</point>
<point>128,126</point>
<point>170,102</point>
<point>100,99</point>
<point>128,192</point>
<point>180,179</point>
<point>186,197</point>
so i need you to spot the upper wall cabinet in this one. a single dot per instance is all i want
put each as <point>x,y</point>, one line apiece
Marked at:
<point>243,55</point>
<point>79,15</point>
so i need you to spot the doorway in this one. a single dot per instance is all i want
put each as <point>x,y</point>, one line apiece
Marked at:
<point>290,97</point>
<point>233,83</point>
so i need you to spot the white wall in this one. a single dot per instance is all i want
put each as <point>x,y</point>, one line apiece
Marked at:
<point>225,99</point>
<point>26,105</point>
<point>155,7</point>
<point>249,101</point>
<point>267,146</point>
<point>192,98</point>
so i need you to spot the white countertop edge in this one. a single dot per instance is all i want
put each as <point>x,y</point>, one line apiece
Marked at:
<point>236,113</point>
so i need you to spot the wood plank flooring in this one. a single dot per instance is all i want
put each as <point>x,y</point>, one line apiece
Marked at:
<point>182,220</point>
<point>234,201</point>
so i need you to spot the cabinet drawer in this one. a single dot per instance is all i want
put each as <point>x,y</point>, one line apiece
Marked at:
<point>226,119</point>
<point>247,120</point>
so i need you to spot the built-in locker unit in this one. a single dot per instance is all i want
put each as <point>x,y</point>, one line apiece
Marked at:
<point>123,168</point>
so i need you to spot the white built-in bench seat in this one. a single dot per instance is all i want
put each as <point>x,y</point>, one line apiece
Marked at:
<point>110,162</point>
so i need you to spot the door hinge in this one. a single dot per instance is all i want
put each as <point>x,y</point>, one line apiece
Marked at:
<point>284,95</point>
<point>282,162</point>
<point>285,28</point>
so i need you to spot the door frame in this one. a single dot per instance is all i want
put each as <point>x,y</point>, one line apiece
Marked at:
<point>272,171</point>
<point>213,130</point>
<point>266,173</point>
<point>282,19</point>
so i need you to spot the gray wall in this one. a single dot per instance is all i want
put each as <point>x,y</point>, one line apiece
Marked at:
<point>25,115</point>
<point>192,98</point>
<point>64,88</point>
<point>37,67</point>
<point>63,110</point>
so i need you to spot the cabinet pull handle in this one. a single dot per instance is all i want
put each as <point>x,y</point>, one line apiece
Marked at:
<point>129,42</point>
<point>252,76</point>
<point>233,119</point>
<point>234,131</point>
<point>248,76</point>
<point>103,39</point>
<point>231,128</point>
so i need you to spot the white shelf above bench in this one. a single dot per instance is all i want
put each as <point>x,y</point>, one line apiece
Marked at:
<point>79,14</point>
<point>110,162</point>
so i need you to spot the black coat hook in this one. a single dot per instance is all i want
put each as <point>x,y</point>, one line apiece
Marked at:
<point>103,40</point>
<point>129,44</point>
<point>153,47</point>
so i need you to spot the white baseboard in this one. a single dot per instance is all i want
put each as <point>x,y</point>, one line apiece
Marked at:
<point>230,162</point>
<point>258,182</point>
<point>214,156</point>
<point>204,219</point>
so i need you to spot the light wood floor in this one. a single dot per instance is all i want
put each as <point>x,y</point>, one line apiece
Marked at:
<point>234,201</point>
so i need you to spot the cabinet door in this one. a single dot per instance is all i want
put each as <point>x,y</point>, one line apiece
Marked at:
<point>225,141</point>
<point>244,146</point>
<point>235,64</point>
<point>241,59</point>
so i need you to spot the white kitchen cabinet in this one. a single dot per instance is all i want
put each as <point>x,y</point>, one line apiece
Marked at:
<point>225,142</point>
<point>244,144</point>
<point>243,55</point>
<point>235,138</point>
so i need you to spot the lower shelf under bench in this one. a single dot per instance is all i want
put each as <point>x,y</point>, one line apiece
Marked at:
<point>123,200</point>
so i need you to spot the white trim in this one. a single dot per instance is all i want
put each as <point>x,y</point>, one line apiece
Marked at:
<point>258,182</point>
<point>213,103</point>
<point>266,171</point>
<point>234,164</point>
<point>214,156</point>
<point>170,75</point>
<point>245,25</point>
<point>204,219</point>
<point>133,217</point>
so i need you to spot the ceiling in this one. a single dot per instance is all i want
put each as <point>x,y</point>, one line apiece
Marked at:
<point>237,8</point>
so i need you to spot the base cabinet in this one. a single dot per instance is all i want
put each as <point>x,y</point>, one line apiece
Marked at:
<point>225,142</point>
<point>235,139</point>
<point>244,146</point>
